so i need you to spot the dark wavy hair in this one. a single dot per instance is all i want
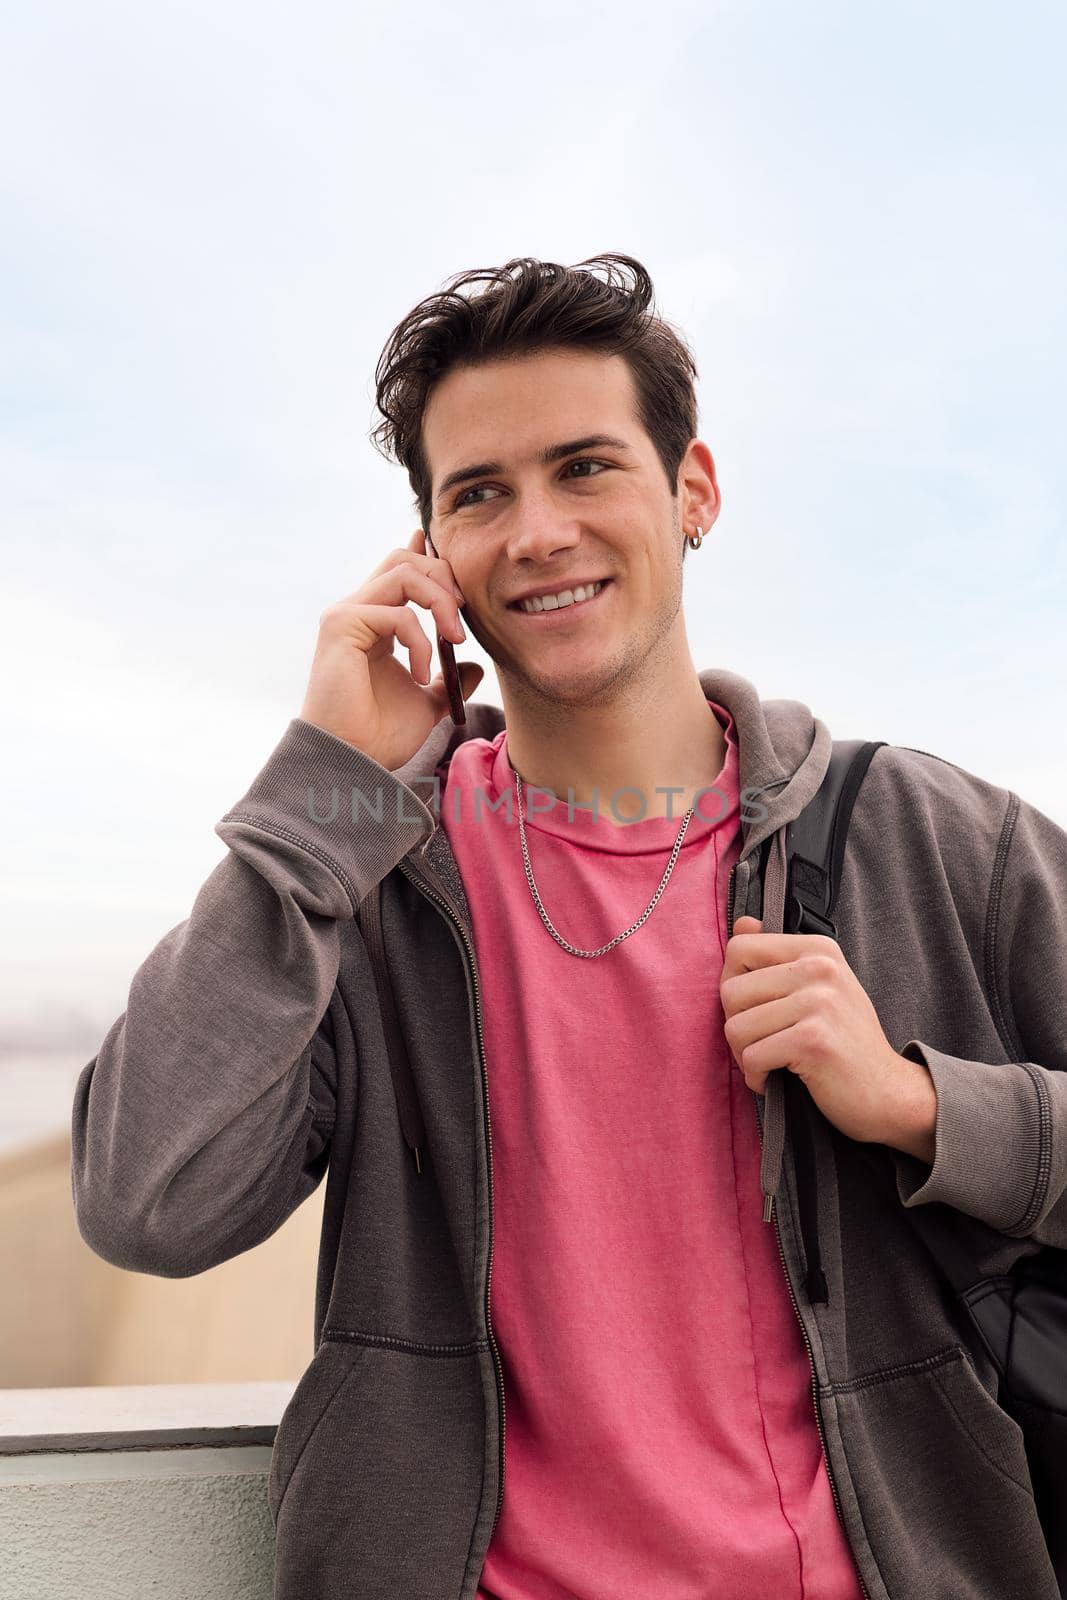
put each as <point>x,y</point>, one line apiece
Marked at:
<point>528,306</point>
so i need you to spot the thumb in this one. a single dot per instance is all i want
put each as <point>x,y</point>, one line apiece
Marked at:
<point>748,925</point>
<point>471,674</point>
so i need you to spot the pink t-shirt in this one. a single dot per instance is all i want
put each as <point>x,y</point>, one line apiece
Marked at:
<point>660,1434</point>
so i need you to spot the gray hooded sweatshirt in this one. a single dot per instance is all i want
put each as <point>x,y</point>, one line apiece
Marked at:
<point>319,1014</point>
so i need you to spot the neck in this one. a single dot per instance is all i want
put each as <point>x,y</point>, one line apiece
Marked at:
<point>655,736</point>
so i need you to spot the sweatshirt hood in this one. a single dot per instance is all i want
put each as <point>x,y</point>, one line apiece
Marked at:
<point>783,753</point>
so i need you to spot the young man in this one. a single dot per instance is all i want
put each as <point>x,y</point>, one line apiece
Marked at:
<point>621,1290</point>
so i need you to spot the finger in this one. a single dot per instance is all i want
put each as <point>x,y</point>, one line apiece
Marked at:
<point>756,1081</point>
<point>764,1021</point>
<point>434,565</point>
<point>471,674</point>
<point>401,623</point>
<point>742,950</point>
<point>428,544</point>
<point>755,1077</point>
<point>748,949</point>
<point>406,581</point>
<point>741,991</point>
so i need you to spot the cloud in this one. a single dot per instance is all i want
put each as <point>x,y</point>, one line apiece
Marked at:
<point>217,213</point>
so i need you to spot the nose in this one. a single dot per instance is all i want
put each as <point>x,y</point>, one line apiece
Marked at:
<point>538,535</point>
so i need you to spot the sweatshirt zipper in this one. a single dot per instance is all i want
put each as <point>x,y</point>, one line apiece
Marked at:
<point>498,1369</point>
<point>792,1295</point>
<point>811,1362</point>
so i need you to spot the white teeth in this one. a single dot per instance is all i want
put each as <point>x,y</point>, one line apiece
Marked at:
<point>556,602</point>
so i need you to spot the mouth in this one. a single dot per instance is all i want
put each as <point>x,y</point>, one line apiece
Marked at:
<point>557,614</point>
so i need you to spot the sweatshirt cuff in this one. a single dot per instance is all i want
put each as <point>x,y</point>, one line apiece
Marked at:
<point>987,1140</point>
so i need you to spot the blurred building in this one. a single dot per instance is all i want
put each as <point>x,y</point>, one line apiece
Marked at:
<point>69,1318</point>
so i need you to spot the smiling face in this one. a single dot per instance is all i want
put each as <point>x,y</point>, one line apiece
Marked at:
<point>517,524</point>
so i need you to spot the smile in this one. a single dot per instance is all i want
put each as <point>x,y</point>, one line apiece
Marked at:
<point>550,607</point>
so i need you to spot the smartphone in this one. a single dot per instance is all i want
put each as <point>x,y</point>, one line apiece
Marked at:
<point>447,656</point>
<point>452,684</point>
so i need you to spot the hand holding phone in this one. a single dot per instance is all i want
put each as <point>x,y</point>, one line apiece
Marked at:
<point>359,690</point>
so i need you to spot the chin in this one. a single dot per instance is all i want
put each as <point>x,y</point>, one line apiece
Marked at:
<point>576,684</point>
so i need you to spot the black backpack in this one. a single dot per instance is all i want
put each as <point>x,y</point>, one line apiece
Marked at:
<point>1021,1317</point>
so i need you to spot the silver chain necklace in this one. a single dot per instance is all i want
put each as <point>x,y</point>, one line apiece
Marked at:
<point>619,937</point>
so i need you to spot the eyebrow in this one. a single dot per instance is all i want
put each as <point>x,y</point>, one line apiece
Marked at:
<point>552,452</point>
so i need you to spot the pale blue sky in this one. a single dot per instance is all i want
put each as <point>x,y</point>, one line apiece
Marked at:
<point>214,214</point>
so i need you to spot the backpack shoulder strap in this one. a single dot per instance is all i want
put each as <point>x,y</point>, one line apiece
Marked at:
<point>815,849</point>
<point>815,841</point>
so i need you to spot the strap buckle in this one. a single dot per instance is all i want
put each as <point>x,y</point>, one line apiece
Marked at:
<point>805,897</point>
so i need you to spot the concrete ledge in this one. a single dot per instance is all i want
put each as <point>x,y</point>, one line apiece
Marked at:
<point>184,1524</point>
<point>118,1466</point>
<point>151,1489</point>
<point>140,1416</point>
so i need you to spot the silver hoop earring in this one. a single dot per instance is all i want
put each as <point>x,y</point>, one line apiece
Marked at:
<point>695,541</point>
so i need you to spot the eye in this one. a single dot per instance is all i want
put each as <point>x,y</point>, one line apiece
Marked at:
<point>579,461</point>
<point>585,461</point>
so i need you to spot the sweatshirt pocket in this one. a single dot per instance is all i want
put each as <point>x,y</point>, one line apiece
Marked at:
<point>330,1368</point>
<point>939,1470</point>
<point>988,1426</point>
<point>386,1470</point>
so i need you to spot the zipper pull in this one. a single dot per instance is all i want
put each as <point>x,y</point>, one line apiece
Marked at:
<point>768,1207</point>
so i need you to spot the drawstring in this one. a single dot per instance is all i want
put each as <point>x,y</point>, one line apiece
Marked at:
<point>772,1109</point>
<point>407,1100</point>
<point>773,919</point>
